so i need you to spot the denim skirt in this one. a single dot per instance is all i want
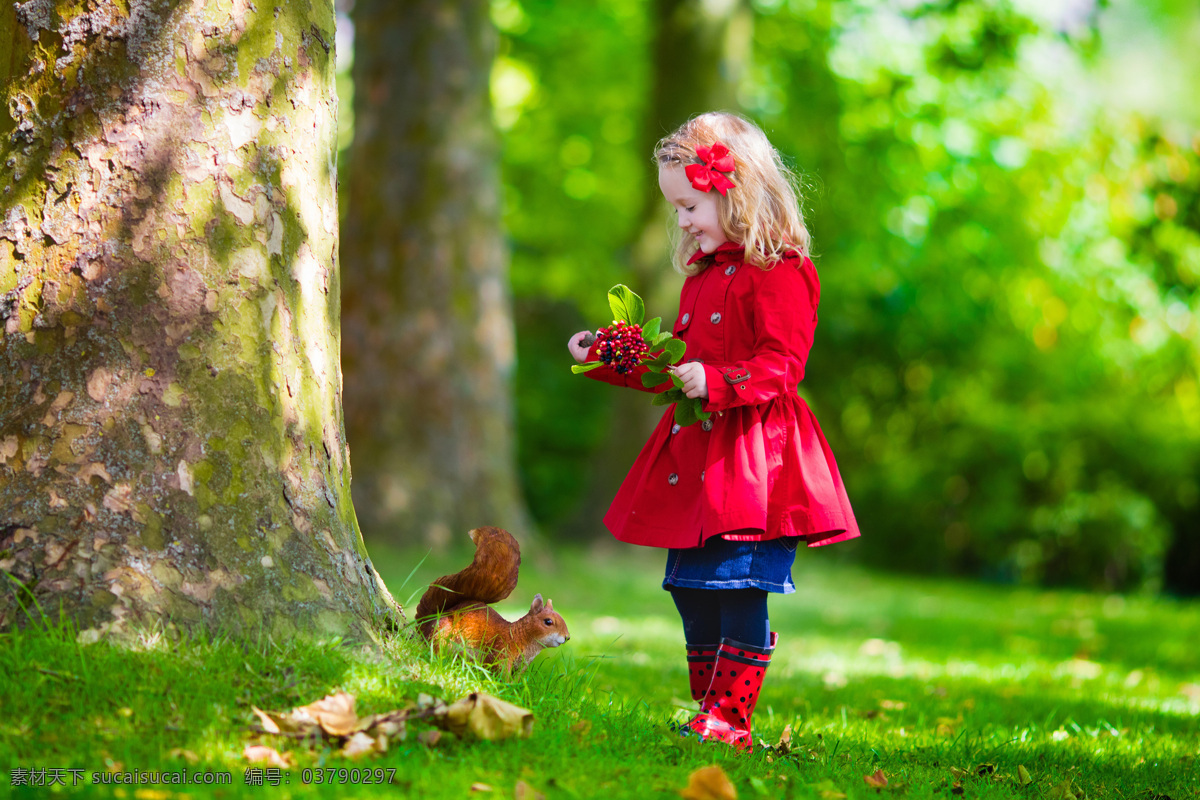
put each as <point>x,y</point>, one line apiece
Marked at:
<point>722,564</point>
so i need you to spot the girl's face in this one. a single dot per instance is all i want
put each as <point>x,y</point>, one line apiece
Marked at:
<point>695,211</point>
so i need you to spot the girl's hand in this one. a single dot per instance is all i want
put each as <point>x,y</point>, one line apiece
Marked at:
<point>578,350</point>
<point>695,384</point>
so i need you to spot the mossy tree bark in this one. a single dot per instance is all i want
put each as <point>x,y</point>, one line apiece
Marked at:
<point>171,440</point>
<point>428,331</point>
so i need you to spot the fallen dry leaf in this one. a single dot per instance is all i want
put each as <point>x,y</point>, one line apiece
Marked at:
<point>358,745</point>
<point>709,783</point>
<point>295,722</point>
<point>393,725</point>
<point>255,753</point>
<point>269,725</point>
<point>334,713</point>
<point>428,701</point>
<point>785,738</point>
<point>480,715</point>
<point>876,779</point>
<point>1023,777</point>
<point>486,717</point>
<point>523,791</point>
<point>480,787</point>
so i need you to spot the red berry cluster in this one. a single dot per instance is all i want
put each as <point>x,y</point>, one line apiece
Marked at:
<point>621,346</point>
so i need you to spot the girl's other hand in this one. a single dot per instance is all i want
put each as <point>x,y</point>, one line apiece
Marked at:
<point>695,383</point>
<point>579,350</point>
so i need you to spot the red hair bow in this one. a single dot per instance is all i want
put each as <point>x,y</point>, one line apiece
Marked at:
<point>717,159</point>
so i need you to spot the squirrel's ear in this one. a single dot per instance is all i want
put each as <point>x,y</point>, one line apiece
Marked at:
<point>536,606</point>
<point>549,605</point>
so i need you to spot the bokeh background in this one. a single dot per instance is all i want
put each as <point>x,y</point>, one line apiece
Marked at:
<point>1005,203</point>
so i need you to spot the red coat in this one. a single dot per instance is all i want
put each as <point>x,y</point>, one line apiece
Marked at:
<point>760,465</point>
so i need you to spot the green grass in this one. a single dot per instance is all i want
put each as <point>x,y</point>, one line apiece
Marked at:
<point>931,681</point>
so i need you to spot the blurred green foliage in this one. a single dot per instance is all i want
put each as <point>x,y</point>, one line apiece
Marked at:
<point>1006,363</point>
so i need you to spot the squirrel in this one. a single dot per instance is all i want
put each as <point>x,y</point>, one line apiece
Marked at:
<point>454,609</point>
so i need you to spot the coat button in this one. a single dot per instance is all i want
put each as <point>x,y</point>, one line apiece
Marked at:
<point>730,269</point>
<point>672,479</point>
<point>701,476</point>
<point>716,317</point>
<point>675,428</point>
<point>706,424</point>
<point>685,319</point>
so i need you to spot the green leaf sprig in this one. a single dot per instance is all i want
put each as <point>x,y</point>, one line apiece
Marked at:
<point>664,350</point>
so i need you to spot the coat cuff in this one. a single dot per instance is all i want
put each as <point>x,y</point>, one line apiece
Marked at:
<point>728,385</point>
<point>720,393</point>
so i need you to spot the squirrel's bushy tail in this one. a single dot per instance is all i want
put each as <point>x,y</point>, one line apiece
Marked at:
<point>490,577</point>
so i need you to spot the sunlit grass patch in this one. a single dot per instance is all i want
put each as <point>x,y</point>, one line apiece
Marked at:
<point>945,687</point>
<point>918,676</point>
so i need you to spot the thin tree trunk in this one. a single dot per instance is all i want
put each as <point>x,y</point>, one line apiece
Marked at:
<point>171,441</point>
<point>428,319</point>
<point>714,40</point>
<point>700,50</point>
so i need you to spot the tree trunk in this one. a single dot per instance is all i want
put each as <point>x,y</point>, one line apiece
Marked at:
<point>171,441</point>
<point>428,320</point>
<point>713,40</point>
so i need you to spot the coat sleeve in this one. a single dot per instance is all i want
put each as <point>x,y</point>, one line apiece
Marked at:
<point>783,320</point>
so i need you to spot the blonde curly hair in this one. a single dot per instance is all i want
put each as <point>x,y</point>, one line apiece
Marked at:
<point>762,212</point>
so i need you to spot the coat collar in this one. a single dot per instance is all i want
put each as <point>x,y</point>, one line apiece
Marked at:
<point>729,251</point>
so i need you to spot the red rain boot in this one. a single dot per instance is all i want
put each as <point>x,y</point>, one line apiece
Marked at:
<point>737,677</point>
<point>700,661</point>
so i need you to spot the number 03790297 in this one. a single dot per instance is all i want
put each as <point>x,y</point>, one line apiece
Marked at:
<point>328,775</point>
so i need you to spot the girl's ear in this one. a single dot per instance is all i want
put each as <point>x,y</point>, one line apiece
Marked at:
<point>537,604</point>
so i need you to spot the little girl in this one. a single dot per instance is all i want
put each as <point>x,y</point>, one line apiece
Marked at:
<point>731,497</point>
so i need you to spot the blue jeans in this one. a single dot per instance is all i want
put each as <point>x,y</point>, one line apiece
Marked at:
<point>721,564</point>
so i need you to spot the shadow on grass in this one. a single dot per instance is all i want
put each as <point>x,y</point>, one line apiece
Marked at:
<point>99,705</point>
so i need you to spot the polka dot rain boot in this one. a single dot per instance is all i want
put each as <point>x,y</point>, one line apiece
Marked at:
<point>737,677</point>
<point>701,658</point>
